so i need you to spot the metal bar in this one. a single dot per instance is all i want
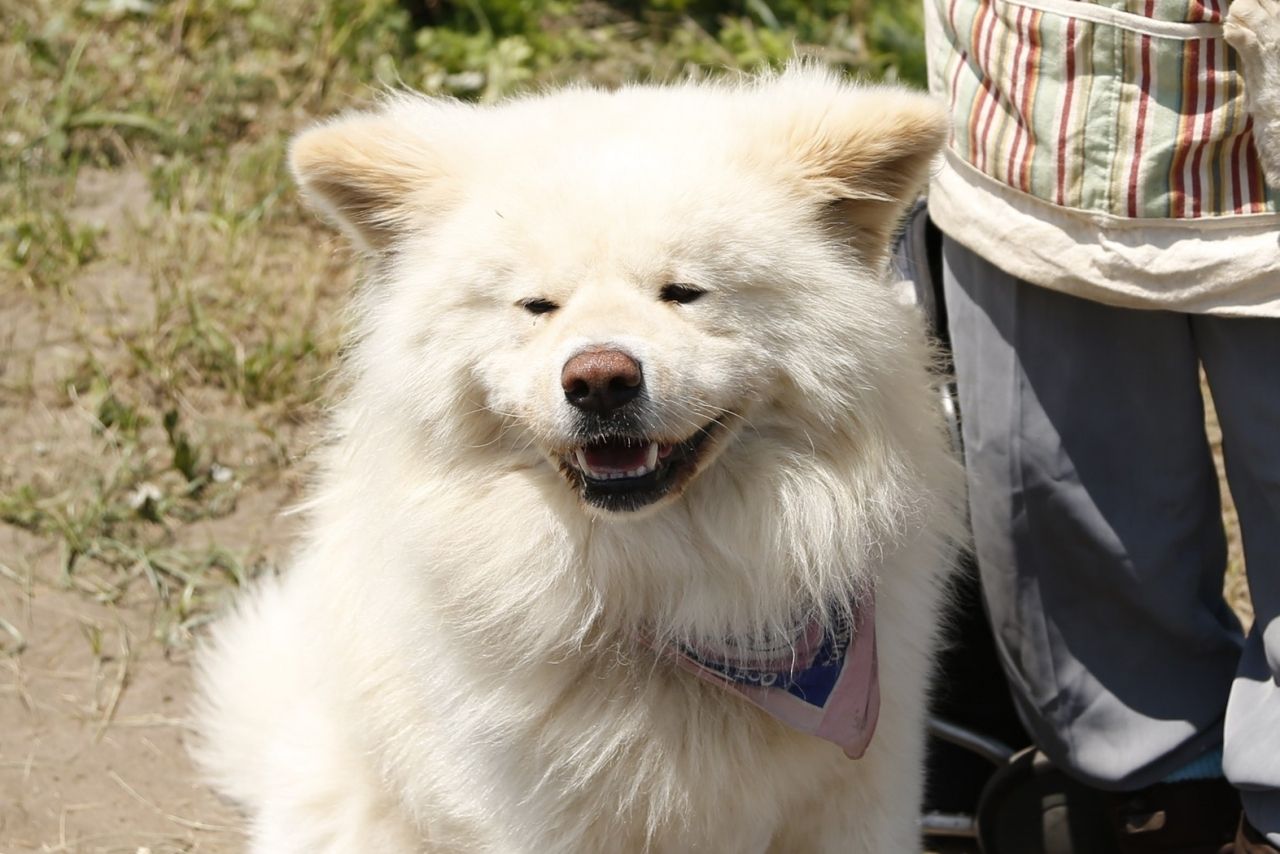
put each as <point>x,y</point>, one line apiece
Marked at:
<point>993,750</point>
<point>948,825</point>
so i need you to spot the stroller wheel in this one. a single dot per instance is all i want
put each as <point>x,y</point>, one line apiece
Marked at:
<point>1031,807</point>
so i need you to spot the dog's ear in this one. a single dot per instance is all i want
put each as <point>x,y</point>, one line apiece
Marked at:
<point>375,174</point>
<point>867,153</point>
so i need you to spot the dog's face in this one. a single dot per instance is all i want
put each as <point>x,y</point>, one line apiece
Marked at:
<point>629,361</point>
<point>624,286</point>
<point>639,319</point>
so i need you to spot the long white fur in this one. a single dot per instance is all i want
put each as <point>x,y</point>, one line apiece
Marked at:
<point>454,662</point>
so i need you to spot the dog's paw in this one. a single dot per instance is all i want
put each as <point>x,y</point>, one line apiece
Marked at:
<point>1253,29</point>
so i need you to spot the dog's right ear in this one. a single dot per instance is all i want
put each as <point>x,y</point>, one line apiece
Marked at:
<point>371,173</point>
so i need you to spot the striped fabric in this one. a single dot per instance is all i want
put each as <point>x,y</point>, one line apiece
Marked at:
<point>1132,108</point>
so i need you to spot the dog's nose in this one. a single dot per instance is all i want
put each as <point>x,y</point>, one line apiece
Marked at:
<point>601,380</point>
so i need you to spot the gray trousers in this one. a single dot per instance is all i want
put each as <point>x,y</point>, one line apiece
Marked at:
<point>1098,530</point>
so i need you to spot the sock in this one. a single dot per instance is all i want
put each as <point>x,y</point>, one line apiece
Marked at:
<point>1206,766</point>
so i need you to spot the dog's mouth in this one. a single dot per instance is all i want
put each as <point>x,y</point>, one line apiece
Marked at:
<point>624,473</point>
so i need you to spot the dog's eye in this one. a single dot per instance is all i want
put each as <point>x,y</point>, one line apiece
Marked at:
<point>681,293</point>
<point>537,305</point>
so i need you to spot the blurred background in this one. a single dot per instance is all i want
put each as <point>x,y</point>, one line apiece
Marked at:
<point>170,316</point>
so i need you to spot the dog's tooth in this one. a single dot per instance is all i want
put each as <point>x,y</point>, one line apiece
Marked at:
<point>580,458</point>
<point>651,458</point>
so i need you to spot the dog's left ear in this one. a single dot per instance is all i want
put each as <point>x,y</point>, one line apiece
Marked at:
<point>376,174</point>
<point>867,152</point>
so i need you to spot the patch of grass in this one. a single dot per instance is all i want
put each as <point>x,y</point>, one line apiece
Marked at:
<point>121,486</point>
<point>40,246</point>
<point>116,530</point>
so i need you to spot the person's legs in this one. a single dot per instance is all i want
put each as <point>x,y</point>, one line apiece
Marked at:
<point>1242,361</point>
<point>1096,522</point>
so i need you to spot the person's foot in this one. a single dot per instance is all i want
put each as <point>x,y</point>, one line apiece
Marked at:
<point>1249,840</point>
<point>1032,807</point>
<point>1187,817</point>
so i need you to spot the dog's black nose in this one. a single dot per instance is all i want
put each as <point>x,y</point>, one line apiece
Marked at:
<point>601,381</point>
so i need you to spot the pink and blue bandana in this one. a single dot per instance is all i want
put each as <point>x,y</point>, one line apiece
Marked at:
<point>823,682</point>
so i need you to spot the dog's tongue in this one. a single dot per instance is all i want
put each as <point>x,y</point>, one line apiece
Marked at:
<point>616,456</point>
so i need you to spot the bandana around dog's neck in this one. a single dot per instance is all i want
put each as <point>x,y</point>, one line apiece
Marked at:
<point>821,681</point>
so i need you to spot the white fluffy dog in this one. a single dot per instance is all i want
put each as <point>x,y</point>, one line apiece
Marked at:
<point>627,384</point>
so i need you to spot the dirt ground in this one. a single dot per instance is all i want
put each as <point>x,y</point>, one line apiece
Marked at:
<point>94,687</point>
<point>95,649</point>
<point>92,712</point>
<point>92,731</point>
